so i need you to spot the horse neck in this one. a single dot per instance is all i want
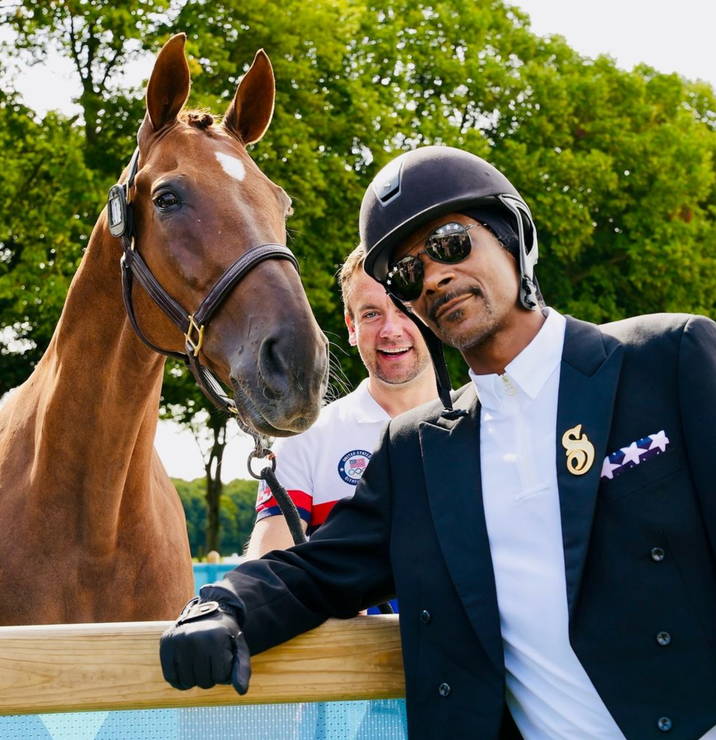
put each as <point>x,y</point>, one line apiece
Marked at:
<point>97,395</point>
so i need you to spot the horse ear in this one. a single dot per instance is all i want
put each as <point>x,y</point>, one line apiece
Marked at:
<point>168,86</point>
<point>249,114</point>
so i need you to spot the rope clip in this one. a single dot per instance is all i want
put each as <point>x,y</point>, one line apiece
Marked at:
<point>261,453</point>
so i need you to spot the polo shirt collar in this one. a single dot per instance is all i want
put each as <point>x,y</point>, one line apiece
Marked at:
<point>365,409</point>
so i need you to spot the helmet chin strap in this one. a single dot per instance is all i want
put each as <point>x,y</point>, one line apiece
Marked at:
<point>437,355</point>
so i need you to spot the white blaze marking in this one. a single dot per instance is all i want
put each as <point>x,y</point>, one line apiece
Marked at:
<point>232,166</point>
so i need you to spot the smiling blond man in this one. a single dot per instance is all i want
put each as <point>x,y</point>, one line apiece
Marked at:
<point>324,464</point>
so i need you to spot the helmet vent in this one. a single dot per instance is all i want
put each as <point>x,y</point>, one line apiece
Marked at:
<point>386,185</point>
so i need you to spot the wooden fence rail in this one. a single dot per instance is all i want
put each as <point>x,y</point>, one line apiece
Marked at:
<point>100,667</point>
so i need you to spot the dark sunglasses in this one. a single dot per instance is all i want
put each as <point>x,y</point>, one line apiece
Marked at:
<point>449,243</point>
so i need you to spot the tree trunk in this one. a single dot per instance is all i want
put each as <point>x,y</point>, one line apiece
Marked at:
<point>214,486</point>
<point>94,153</point>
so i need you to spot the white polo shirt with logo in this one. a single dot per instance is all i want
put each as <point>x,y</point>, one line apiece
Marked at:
<point>325,463</point>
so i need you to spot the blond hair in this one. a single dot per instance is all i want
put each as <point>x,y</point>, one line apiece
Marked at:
<point>353,264</point>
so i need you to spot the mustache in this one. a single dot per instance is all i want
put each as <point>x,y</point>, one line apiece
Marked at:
<point>447,297</point>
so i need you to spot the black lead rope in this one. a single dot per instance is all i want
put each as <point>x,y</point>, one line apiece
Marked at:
<point>284,501</point>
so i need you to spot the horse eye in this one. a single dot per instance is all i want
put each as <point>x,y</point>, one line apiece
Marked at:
<point>166,200</point>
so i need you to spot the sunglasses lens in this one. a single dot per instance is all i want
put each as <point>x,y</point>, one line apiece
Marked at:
<point>451,246</point>
<point>448,244</point>
<point>406,278</point>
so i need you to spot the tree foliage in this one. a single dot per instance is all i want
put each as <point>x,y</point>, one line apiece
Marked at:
<point>99,37</point>
<point>237,515</point>
<point>49,200</point>
<point>184,403</point>
<point>616,165</point>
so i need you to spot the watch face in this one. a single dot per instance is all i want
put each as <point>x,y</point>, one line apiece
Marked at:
<point>352,465</point>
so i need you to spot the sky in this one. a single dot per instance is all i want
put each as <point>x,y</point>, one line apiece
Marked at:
<point>669,36</point>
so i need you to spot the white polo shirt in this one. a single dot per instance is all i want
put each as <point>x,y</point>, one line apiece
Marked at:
<point>325,463</point>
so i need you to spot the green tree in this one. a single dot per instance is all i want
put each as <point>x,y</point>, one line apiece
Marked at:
<point>192,497</point>
<point>237,514</point>
<point>55,174</point>
<point>99,37</point>
<point>184,403</point>
<point>617,166</point>
<point>49,200</point>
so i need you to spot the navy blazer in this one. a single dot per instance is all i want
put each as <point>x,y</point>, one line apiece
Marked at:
<point>638,549</point>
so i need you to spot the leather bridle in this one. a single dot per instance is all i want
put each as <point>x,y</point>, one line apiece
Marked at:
<point>193,326</point>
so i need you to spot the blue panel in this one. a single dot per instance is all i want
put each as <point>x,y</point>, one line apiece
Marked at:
<point>359,720</point>
<point>147,724</point>
<point>23,728</point>
<point>209,572</point>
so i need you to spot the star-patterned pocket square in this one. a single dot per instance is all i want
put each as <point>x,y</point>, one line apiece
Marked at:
<point>634,454</point>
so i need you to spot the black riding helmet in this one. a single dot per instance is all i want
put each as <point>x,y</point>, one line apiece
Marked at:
<point>429,182</point>
<point>423,184</point>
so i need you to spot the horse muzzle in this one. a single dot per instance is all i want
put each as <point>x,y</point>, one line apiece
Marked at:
<point>279,391</point>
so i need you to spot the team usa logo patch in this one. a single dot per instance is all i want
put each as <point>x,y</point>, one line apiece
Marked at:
<point>352,465</point>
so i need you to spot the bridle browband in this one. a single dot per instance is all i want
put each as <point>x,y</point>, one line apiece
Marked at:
<point>121,225</point>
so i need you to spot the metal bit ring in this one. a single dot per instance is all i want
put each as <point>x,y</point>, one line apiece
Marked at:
<point>260,455</point>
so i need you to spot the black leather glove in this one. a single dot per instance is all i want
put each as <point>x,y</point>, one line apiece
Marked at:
<point>205,647</point>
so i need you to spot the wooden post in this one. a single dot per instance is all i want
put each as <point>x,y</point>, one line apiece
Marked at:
<point>99,667</point>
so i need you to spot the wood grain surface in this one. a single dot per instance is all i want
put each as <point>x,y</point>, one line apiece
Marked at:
<point>97,667</point>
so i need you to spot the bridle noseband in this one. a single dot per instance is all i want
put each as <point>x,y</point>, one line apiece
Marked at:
<point>121,225</point>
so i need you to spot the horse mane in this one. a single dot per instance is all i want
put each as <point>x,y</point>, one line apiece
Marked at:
<point>201,119</point>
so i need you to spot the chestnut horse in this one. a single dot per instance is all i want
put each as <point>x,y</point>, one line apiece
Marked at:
<point>92,528</point>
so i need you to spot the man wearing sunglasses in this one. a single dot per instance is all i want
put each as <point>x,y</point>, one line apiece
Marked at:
<point>551,536</point>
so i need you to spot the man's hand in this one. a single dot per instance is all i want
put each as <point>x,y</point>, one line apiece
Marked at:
<point>205,647</point>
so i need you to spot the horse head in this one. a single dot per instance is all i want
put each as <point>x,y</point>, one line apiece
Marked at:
<point>199,202</point>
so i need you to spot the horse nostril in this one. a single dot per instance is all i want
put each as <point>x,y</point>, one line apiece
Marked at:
<point>272,367</point>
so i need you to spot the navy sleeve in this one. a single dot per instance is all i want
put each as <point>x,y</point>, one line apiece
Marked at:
<point>344,568</point>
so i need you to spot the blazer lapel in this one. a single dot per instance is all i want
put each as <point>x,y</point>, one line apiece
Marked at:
<point>591,363</point>
<point>451,459</point>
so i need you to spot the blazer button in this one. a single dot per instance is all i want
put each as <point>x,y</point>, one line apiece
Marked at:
<point>444,689</point>
<point>664,724</point>
<point>663,638</point>
<point>657,554</point>
<point>425,616</point>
